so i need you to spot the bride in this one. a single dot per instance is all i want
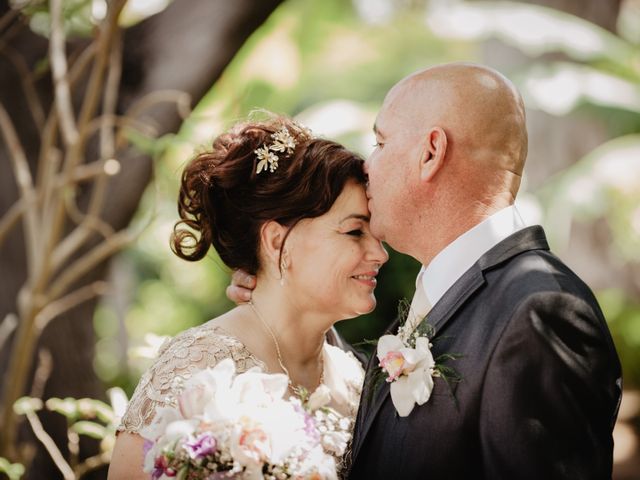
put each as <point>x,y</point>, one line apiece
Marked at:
<point>291,209</point>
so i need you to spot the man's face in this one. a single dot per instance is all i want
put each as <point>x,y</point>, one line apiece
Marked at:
<point>390,175</point>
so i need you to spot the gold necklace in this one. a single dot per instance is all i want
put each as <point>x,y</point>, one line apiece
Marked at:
<point>279,353</point>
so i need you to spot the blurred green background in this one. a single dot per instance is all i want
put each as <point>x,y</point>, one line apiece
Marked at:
<point>329,64</point>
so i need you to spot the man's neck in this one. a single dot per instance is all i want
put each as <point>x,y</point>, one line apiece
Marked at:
<point>453,224</point>
<point>460,255</point>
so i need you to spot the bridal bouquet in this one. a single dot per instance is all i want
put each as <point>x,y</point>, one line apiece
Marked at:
<point>242,426</point>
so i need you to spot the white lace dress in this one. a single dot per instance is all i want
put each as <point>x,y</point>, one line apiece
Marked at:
<point>204,347</point>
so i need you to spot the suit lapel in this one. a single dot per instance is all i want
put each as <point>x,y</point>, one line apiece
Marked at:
<point>530,238</point>
<point>439,314</point>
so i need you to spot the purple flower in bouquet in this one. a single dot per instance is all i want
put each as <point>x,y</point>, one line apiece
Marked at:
<point>146,446</point>
<point>201,446</point>
<point>310,427</point>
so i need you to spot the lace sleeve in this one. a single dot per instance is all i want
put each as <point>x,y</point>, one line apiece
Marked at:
<point>189,352</point>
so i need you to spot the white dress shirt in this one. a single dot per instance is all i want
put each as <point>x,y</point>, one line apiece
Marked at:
<point>456,258</point>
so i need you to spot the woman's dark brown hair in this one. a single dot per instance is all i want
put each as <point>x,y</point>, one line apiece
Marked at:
<point>224,202</point>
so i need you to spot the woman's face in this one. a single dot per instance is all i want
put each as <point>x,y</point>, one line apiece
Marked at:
<point>334,259</point>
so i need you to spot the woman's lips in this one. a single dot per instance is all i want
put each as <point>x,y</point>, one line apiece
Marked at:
<point>368,278</point>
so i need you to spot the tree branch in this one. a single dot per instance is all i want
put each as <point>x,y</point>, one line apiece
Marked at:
<point>94,86</point>
<point>26,80</point>
<point>81,63</point>
<point>92,463</point>
<point>89,171</point>
<point>10,218</point>
<point>58,58</point>
<point>107,125</point>
<point>14,28</point>
<point>42,373</point>
<point>8,325</point>
<point>25,184</point>
<point>181,99</point>
<point>88,222</point>
<point>50,446</point>
<point>8,17</point>
<point>110,102</point>
<point>90,260</point>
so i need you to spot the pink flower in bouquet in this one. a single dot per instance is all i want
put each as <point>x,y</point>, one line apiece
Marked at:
<point>161,467</point>
<point>241,426</point>
<point>253,445</point>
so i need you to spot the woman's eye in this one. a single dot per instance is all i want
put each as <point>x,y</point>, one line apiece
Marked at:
<point>355,233</point>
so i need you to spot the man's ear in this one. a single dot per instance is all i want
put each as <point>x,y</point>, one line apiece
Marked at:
<point>434,154</point>
<point>272,236</point>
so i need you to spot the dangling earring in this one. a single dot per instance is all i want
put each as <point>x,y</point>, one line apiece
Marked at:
<point>283,266</point>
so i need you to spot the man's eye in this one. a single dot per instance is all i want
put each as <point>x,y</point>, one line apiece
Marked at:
<point>378,145</point>
<point>355,233</point>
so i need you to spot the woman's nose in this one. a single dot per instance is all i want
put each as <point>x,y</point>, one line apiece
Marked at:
<point>377,252</point>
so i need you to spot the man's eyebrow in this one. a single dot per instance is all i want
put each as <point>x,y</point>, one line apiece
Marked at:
<point>357,216</point>
<point>377,131</point>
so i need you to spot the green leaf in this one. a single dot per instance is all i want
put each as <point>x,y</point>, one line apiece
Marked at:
<point>515,24</point>
<point>90,429</point>
<point>67,406</point>
<point>91,408</point>
<point>14,471</point>
<point>559,88</point>
<point>26,405</point>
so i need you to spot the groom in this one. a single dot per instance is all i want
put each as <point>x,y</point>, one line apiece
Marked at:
<point>540,378</point>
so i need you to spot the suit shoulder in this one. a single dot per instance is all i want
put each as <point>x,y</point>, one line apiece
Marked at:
<point>539,271</point>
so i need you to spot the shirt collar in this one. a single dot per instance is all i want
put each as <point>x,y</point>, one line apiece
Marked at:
<point>456,258</point>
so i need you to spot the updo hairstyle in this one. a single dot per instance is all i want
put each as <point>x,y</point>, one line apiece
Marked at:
<point>224,202</point>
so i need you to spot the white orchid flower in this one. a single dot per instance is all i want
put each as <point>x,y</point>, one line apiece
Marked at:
<point>409,371</point>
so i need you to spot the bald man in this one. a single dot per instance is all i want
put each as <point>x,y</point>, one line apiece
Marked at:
<point>540,378</point>
<point>541,381</point>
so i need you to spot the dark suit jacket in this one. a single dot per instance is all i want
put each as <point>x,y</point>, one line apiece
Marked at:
<point>541,380</point>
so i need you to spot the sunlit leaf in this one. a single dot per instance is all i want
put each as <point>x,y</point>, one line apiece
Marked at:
<point>90,429</point>
<point>118,400</point>
<point>64,406</point>
<point>137,10</point>
<point>25,405</point>
<point>558,88</point>
<point>14,471</point>
<point>92,408</point>
<point>604,184</point>
<point>532,28</point>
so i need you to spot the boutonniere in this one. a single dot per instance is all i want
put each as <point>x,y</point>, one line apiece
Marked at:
<point>406,362</point>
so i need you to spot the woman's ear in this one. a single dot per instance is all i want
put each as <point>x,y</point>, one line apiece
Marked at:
<point>433,156</point>
<point>272,236</point>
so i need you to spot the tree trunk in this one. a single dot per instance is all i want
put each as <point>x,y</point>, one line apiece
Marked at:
<point>186,47</point>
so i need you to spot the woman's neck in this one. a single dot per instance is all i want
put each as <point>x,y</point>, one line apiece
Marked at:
<point>299,332</point>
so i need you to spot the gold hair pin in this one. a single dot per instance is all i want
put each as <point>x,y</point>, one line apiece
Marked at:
<point>283,142</point>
